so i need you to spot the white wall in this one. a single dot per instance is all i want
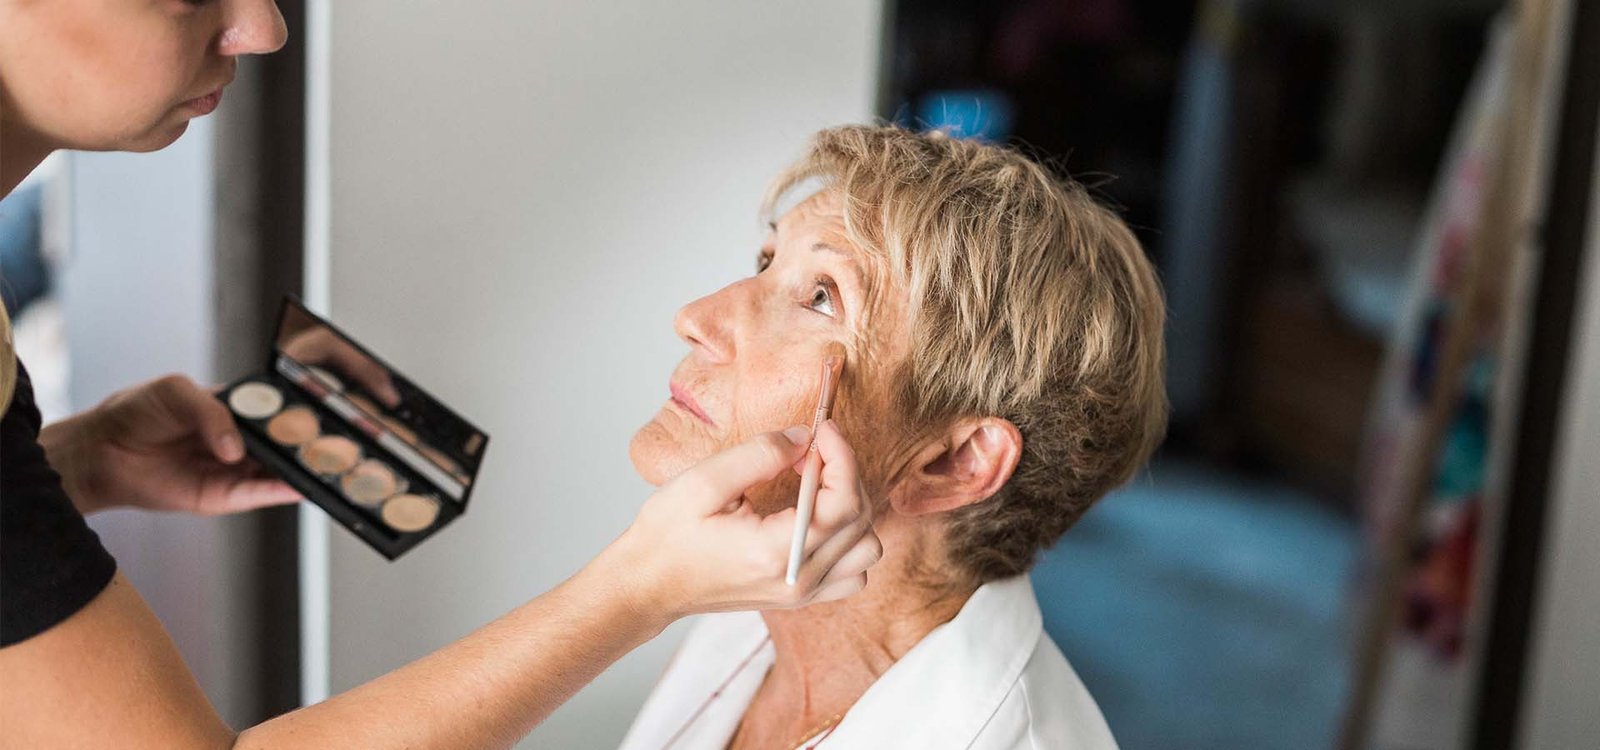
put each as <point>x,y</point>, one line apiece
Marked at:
<point>522,194</point>
<point>138,297</point>
<point>1559,706</point>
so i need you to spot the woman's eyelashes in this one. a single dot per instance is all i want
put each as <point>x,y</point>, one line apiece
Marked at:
<point>822,297</point>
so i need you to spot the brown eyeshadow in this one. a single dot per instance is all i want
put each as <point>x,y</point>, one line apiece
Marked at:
<point>330,454</point>
<point>370,482</point>
<point>409,513</point>
<point>296,425</point>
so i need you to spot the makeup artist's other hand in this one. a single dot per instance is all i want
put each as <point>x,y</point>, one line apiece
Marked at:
<point>165,445</point>
<point>697,546</point>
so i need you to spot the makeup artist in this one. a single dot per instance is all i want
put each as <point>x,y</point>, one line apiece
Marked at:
<point>84,662</point>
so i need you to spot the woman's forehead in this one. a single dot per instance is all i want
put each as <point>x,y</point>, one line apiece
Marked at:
<point>818,218</point>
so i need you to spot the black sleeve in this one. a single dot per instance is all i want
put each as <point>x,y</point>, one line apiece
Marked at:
<point>51,562</point>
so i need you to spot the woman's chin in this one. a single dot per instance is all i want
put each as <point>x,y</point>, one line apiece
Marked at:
<point>657,454</point>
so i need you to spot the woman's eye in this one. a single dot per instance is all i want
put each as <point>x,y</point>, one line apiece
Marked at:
<point>762,261</point>
<point>822,300</point>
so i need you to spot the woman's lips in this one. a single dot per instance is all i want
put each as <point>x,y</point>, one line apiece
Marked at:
<point>682,397</point>
<point>205,105</point>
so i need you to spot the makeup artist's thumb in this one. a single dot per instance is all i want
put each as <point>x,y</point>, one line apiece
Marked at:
<point>223,436</point>
<point>205,415</point>
<point>726,475</point>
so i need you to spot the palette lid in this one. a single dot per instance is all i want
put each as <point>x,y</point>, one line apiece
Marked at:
<point>369,389</point>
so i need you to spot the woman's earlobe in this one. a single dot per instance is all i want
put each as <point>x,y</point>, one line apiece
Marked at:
<point>965,465</point>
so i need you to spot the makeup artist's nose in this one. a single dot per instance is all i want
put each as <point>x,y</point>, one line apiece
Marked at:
<point>699,325</point>
<point>251,27</point>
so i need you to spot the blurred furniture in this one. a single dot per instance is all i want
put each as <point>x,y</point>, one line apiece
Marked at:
<point>1205,612</point>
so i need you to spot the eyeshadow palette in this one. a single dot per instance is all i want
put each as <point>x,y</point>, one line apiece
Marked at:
<point>386,460</point>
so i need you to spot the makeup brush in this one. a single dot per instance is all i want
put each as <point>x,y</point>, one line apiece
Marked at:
<point>811,475</point>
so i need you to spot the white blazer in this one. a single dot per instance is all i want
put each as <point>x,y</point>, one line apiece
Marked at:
<point>990,679</point>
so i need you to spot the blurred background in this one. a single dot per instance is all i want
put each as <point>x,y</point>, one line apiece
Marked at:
<point>1370,526</point>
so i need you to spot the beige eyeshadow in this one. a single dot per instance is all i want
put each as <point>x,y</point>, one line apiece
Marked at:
<point>255,400</point>
<point>295,425</point>
<point>330,454</point>
<point>410,512</point>
<point>370,482</point>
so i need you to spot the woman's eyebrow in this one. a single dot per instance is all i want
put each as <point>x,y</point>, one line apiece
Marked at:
<point>823,246</point>
<point>855,267</point>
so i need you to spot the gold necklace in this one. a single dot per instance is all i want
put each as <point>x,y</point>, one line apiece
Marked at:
<point>824,726</point>
<point>804,738</point>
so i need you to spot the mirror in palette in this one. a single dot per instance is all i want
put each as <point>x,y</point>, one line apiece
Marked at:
<point>386,398</point>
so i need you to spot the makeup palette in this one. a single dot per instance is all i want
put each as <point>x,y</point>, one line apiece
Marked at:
<point>384,458</point>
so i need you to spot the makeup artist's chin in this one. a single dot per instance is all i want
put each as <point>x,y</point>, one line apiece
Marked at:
<point>173,125</point>
<point>159,137</point>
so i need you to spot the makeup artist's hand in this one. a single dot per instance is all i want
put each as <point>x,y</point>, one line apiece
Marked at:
<point>165,445</point>
<point>698,547</point>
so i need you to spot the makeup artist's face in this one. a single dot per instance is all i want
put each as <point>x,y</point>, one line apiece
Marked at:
<point>756,346</point>
<point>123,74</point>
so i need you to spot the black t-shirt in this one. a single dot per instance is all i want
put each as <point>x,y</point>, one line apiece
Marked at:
<point>51,562</point>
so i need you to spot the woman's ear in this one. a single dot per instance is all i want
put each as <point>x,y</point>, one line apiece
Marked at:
<point>964,465</point>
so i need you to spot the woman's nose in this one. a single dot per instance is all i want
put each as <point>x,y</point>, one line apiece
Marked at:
<point>702,325</point>
<point>252,27</point>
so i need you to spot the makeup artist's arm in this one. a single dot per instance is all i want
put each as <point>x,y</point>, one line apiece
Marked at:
<point>165,445</point>
<point>110,677</point>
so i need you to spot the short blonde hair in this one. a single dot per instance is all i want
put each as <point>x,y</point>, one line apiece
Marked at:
<point>1028,301</point>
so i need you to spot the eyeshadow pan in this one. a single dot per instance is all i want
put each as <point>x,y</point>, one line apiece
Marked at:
<point>370,482</point>
<point>255,400</point>
<point>330,454</point>
<point>409,513</point>
<point>296,425</point>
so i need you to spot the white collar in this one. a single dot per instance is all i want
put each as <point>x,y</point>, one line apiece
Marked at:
<point>947,687</point>
<point>941,693</point>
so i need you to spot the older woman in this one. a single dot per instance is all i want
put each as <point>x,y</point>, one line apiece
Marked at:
<point>1004,338</point>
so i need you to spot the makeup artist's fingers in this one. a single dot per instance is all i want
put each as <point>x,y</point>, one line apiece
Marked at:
<point>839,589</point>
<point>197,409</point>
<point>850,520</point>
<point>862,555</point>
<point>842,498</point>
<point>857,542</point>
<point>712,483</point>
<point>250,494</point>
<point>836,451</point>
<point>838,458</point>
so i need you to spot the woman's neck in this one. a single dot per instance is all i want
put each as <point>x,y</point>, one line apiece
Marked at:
<point>20,153</point>
<point>827,655</point>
